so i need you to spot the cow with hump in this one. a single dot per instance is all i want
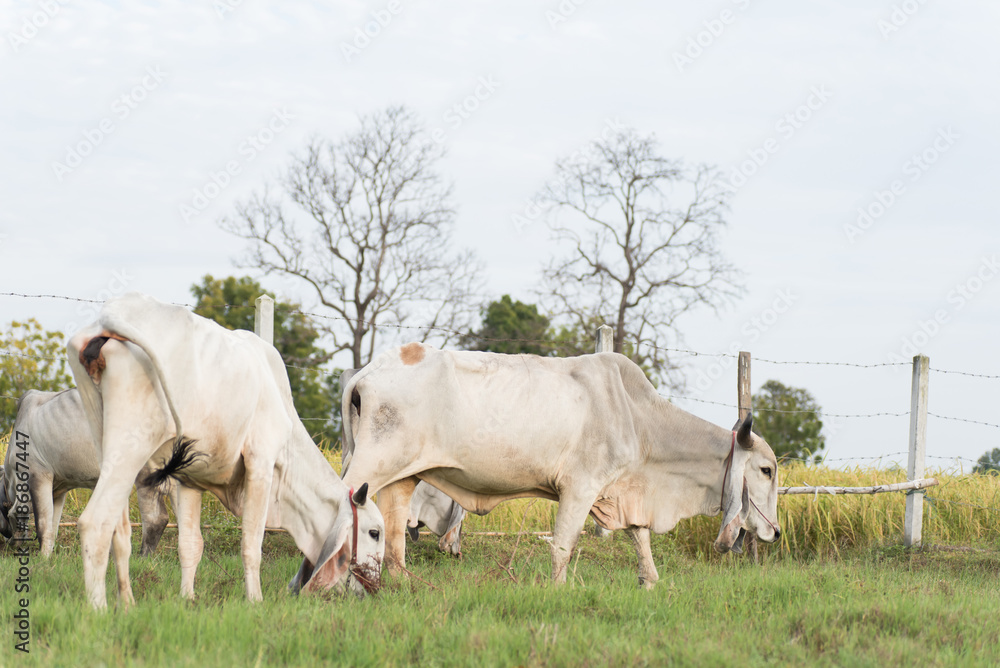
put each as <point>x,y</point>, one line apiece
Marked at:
<point>590,432</point>
<point>159,382</point>
<point>429,506</point>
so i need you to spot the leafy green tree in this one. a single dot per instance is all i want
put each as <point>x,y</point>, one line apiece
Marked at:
<point>511,327</point>
<point>515,327</point>
<point>231,302</point>
<point>788,419</point>
<point>31,358</point>
<point>989,462</point>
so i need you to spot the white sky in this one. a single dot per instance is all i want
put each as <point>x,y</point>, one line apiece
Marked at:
<point>885,86</point>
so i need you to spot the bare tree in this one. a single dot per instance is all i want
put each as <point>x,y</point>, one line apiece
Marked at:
<point>643,237</point>
<point>365,223</point>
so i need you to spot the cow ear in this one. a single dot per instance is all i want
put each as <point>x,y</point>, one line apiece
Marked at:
<point>732,507</point>
<point>744,436</point>
<point>334,560</point>
<point>361,495</point>
<point>305,572</point>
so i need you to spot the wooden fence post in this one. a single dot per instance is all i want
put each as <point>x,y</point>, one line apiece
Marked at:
<point>743,386</point>
<point>913,520</point>
<point>744,407</point>
<point>605,344</point>
<point>263,319</point>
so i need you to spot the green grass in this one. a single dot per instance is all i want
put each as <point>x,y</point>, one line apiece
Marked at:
<point>878,606</point>
<point>838,590</point>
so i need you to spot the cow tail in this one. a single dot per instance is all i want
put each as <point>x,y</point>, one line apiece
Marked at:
<point>346,418</point>
<point>134,335</point>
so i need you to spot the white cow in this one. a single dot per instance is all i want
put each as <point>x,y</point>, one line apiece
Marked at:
<point>429,506</point>
<point>432,508</point>
<point>158,381</point>
<point>52,449</point>
<point>590,432</point>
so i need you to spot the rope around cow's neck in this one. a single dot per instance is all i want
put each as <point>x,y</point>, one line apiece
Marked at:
<point>362,573</point>
<point>354,537</point>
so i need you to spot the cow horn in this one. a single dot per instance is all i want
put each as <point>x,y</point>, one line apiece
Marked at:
<point>361,495</point>
<point>744,436</point>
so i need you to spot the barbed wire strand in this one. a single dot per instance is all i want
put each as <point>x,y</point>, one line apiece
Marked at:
<point>935,499</point>
<point>557,346</point>
<point>821,413</point>
<point>966,373</point>
<point>544,342</point>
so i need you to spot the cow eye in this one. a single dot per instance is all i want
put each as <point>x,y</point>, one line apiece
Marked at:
<point>374,534</point>
<point>766,471</point>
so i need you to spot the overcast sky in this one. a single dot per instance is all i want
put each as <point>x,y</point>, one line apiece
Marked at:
<point>859,139</point>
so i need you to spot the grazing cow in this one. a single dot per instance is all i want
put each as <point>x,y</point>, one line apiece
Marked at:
<point>432,508</point>
<point>429,507</point>
<point>57,455</point>
<point>159,382</point>
<point>590,432</point>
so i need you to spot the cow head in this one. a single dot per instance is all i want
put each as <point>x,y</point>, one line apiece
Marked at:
<point>6,530</point>
<point>341,564</point>
<point>750,491</point>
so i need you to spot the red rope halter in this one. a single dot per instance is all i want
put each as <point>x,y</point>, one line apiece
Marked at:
<point>725,476</point>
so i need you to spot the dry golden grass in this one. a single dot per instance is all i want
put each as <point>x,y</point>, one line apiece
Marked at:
<point>963,510</point>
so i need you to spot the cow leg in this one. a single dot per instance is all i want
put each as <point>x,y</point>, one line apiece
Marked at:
<point>647,569</point>
<point>121,542</point>
<point>97,526</point>
<point>190,545</point>
<point>257,492</point>
<point>153,510</point>
<point>574,506</point>
<point>394,504</point>
<point>40,486</point>
<point>58,501</point>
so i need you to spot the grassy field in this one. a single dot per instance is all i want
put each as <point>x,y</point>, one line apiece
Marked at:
<point>837,591</point>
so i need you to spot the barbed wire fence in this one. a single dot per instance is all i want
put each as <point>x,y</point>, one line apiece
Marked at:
<point>554,348</point>
<point>264,326</point>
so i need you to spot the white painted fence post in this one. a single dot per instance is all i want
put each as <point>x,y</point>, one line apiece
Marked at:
<point>605,339</point>
<point>913,520</point>
<point>263,319</point>
<point>605,344</point>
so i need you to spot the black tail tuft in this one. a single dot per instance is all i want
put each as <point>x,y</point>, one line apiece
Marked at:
<point>180,459</point>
